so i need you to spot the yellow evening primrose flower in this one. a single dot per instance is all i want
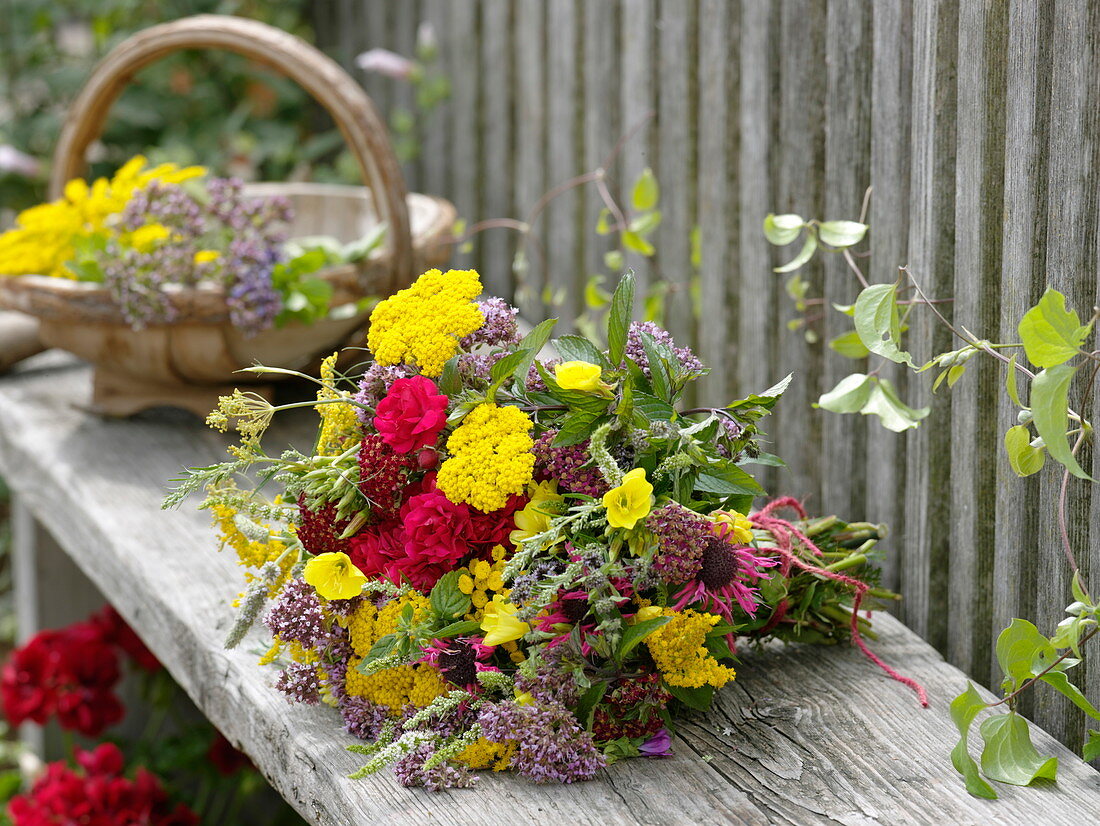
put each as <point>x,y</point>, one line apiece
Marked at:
<point>579,375</point>
<point>537,513</point>
<point>334,576</point>
<point>732,526</point>
<point>500,624</point>
<point>206,256</point>
<point>630,501</point>
<point>647,613</point>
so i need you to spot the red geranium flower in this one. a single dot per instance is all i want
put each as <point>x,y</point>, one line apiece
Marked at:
<point>412,415</point>
<point>97,795</point>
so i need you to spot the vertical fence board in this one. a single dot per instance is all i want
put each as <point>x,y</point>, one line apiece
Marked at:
<point>720,322</point>
<point>495,133</point>
<point>435,133</point>
<point>847,176</point>
<point>675,160</point>
<point>891,88</point>
<point>465,136</point>
<point>1071,199</point>
<point>931,252</point>
<point>529,61</point>
<point>756,284</point>
<point>637,104</point>
<point>975,446</point>
<point>600,123</point>
<point>563,157</point>
<point>797,433</point>
<point>1025,161</point>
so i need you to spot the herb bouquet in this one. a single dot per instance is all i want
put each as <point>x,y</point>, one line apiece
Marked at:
<point>496,560</point>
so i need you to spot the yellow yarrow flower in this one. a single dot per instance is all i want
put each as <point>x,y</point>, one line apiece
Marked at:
<point>579,375</point>
<point>423,324</point>
<point>334,576</point>
<point>630,501</point>
<point>484,754</point>
<point>252,552</point>
<point>500,623</point>
<point>339,424</point>
<point>680,652</point>
<point>732,526</point>
<point>45,236</point>
<point>417,684</point>
<point>491,458</point>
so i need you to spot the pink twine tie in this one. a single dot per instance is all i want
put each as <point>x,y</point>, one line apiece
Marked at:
<point>784,531</point>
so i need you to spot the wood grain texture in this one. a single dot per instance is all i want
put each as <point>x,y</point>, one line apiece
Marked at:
<point>803,736</point>
<point>975,449</point>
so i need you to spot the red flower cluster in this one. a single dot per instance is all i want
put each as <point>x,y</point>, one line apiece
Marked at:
<point>98,796</point>
<point>72,673</point>
<point>225,757</point>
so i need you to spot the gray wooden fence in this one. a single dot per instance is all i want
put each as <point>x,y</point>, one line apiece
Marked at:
<point>976,124</point>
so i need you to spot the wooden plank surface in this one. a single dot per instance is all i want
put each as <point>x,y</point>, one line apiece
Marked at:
<point>803,736</point>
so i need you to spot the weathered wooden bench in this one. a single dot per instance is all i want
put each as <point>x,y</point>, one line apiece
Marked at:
<point>804,735</point>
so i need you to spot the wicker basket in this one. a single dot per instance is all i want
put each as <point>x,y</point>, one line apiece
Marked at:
<point>188,362</point>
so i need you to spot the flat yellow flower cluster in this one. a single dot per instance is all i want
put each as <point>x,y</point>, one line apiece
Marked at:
<point>338,421</point>
<point>395,688</point>
<point>251,553</point>
<point>679,650</point>
<point>491,458</point>
<point>45,235</point>
<point>484,754</point>
<point>422,324</point>
<point>480,582</point>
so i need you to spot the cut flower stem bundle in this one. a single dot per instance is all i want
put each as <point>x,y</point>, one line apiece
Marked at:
<point>495,560</point>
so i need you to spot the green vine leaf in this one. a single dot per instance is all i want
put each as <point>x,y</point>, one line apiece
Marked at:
<point>1061,683</point>
<point>618,320</point>
<point>849,396</point>
<point>804,255</point>
<point>1050,407</point>
<point>964,709</point>
<point>1091,750</point>
<point>893,413</point>
<point>850,346</point>
<point>646,191</point>
<point>1024,458</point>
<point>842,234</point>
<point>878,322</point>
<point>1022,651</point>
<point>1008,755</point>
<point>1010,382</point>
<point>1051,334</point>
<point>780,230</point>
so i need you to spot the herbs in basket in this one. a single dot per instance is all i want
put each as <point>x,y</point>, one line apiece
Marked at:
<point>497,560</point>
<point>150,230</point>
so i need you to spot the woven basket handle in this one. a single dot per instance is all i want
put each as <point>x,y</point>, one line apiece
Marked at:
<point>343,98</point>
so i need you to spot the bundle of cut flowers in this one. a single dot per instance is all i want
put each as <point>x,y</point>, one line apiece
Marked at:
<point>492,559</point>
<point>152,229</point>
